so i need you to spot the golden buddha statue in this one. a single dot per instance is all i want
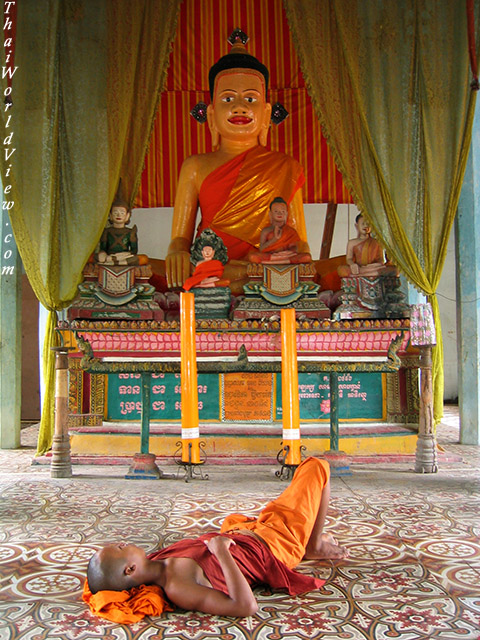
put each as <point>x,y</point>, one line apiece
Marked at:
<point>235,183</point>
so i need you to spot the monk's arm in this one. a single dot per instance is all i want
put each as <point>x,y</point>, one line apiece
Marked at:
<point>183,224</point>
<point>240,601</point>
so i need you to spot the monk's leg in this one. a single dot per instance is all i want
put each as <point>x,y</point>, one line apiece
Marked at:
<point>322,545</point>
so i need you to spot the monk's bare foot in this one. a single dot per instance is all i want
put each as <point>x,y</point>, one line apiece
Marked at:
<point>327,549</point>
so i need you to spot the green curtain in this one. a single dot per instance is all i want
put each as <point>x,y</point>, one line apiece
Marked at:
<point>390,82</point>
<point>84,99</point>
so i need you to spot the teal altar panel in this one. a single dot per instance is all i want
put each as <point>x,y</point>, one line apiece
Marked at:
<point>124,397</point>
<point>361,396</point>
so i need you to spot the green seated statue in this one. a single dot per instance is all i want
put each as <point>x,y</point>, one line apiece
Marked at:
<point>119,243</point>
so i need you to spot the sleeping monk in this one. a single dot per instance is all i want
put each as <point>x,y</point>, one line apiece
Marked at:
<point>214,573</point>
<point>365,256</point>
<point>279,242</point>
<point>235,183</point>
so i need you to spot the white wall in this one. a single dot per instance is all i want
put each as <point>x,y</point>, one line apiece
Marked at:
<point>154,227</point>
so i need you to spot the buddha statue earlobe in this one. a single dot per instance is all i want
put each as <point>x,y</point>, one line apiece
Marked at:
<point>262,138</point>
<point>215,138</point>
<point>211,125</point>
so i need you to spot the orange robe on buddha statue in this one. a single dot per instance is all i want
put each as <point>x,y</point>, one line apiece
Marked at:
<point>234,198</point>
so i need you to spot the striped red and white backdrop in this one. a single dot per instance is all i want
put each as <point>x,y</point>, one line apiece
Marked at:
<point>201,38</point>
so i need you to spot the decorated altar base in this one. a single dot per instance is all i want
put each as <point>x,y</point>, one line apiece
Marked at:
<point>241,413</point>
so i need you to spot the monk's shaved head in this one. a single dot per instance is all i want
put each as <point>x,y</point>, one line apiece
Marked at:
<point>105,572</point>
<point>116,567</point>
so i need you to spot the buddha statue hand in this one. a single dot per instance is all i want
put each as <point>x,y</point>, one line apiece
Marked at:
<point>177,262</point>
<point>354,269</point>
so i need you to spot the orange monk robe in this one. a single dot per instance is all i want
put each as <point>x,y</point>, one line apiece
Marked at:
<point>287,522</point>
<point>235,198</point>
<point>126,607</point>
<point>205,269</point>
<point>368,252</point>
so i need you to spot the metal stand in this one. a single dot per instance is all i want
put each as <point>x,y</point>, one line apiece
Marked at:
<point>287,470</point>
<point>61,465</point>
<point>193,470</point>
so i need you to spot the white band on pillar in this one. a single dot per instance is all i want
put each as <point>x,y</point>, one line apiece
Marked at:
<point>189,434</point>
<point>291,434</point>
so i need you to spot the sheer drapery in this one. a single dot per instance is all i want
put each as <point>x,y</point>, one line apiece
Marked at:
<point>390,82</point>
<point>84,99</point>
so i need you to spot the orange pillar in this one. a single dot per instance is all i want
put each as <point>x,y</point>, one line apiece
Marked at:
<point>190,432</point>
<point>290,401</point>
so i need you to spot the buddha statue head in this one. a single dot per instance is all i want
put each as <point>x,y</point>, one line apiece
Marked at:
<point>120,212</point>
<point>239,110</point>
<point>209,240</point>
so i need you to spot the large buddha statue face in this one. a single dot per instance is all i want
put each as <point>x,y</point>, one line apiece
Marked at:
<point>239,111</point>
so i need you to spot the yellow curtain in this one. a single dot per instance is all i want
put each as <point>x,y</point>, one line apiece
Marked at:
<point>390,83</point>
<point>84,99</point>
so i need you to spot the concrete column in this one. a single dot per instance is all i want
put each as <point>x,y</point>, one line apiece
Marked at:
<point>467,257</point>
<point>10,338</point>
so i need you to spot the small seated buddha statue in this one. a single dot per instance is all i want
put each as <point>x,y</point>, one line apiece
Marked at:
<point>279,242</point>
<point>370,285</point>
<point>209,255</point>
<point>119,243</point>
<point>365,256</point>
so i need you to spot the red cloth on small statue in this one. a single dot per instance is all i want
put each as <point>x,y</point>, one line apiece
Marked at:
<point>203,270</point>
<point>126,607</point>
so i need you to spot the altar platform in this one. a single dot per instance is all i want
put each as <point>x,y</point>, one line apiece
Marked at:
<point>240,409</point>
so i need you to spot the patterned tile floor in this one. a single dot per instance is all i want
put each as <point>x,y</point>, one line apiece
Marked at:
<point>413,571</point>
